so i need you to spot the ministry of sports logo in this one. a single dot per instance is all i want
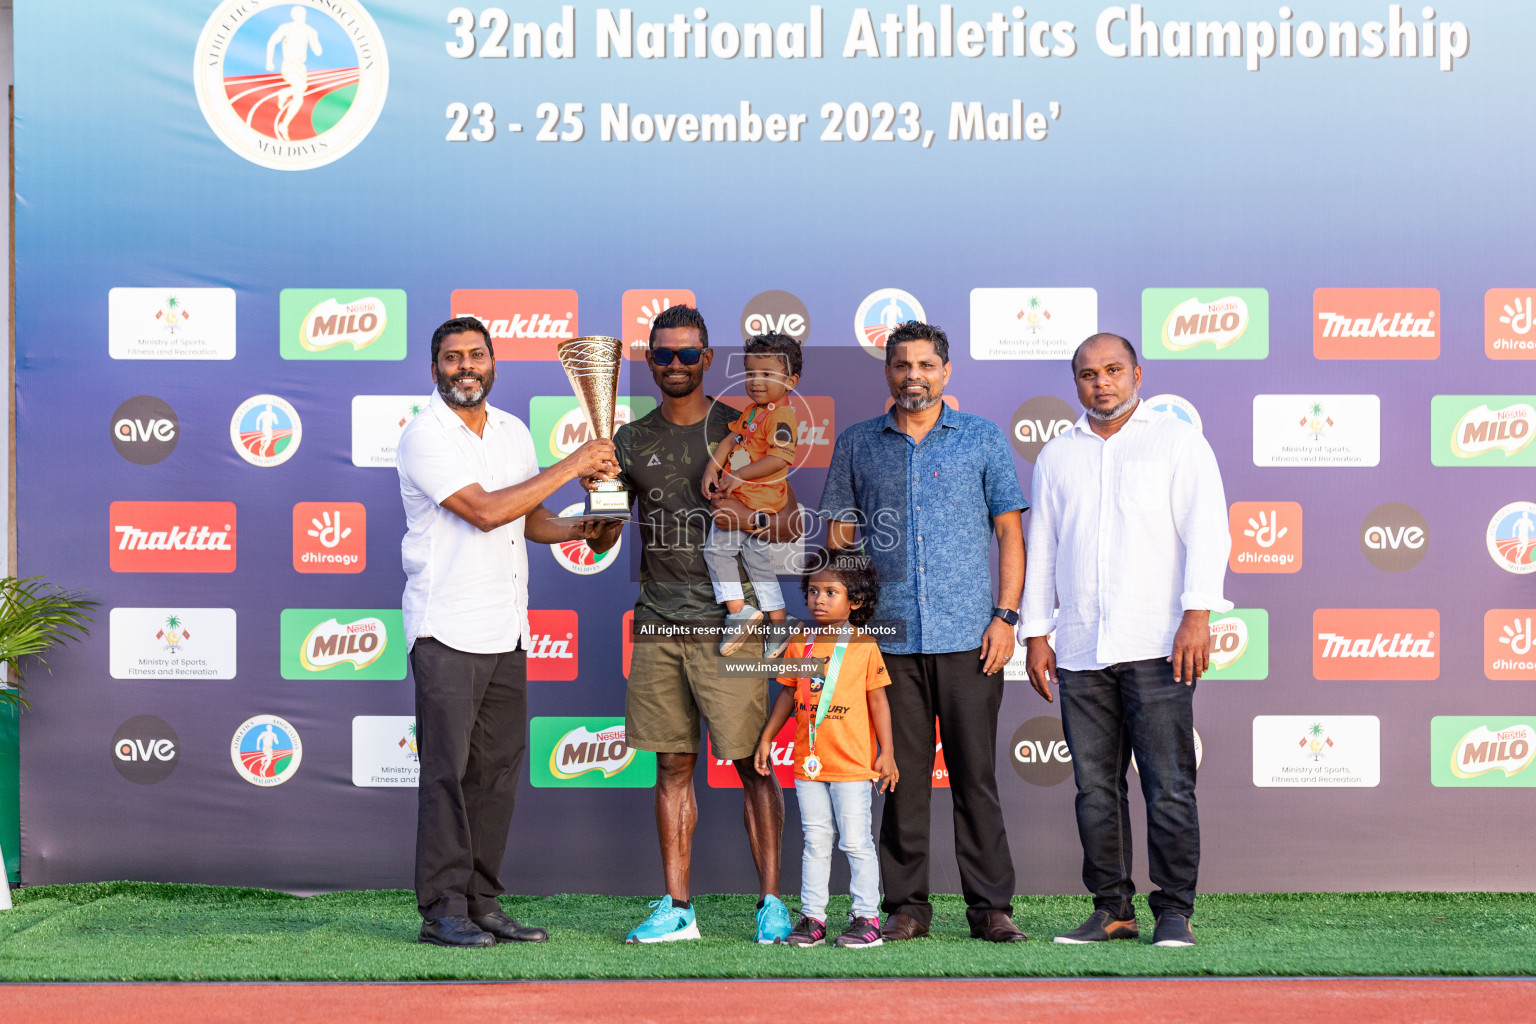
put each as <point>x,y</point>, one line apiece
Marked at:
<point>266,750</point>
<point>879,314</point>
<point>265,430</point>
<point>291,85</point>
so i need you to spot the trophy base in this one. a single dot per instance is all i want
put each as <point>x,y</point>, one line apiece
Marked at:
<point>602,506</point>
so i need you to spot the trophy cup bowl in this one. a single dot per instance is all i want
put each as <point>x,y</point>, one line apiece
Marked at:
<point>592,365</point>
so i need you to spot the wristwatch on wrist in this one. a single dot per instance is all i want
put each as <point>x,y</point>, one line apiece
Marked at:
<point>1008,615</point>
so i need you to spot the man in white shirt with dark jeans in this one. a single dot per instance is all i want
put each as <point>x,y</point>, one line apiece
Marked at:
<point>1129,536</point>
<point>473,494</point>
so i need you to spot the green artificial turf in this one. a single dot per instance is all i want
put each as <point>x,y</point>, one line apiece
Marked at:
<point>144,931</point>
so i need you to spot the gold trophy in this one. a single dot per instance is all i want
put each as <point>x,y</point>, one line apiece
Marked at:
<point>592,364</point>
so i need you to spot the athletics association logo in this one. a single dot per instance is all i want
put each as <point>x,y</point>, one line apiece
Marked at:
<point>1175,406</point>
<point>1512,537</point>
<point>291,85</point>
<point>265,431</point>
<point>577,556</point>
<point>266,750</point>
<point>880,313</point>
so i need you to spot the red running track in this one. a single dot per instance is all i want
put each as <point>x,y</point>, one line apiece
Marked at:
<point>1067,1001</point>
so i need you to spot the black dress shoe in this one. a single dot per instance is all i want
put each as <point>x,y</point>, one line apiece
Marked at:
<point>453,931</point>
<point>997,926</point>
<point>900,927</point>
<point>498,924</point>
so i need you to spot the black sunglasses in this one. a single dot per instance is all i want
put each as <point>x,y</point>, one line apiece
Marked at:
<point>686,356</point>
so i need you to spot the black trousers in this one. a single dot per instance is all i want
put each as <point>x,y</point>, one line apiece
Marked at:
<point>953,689</point>
<point>471,734</point>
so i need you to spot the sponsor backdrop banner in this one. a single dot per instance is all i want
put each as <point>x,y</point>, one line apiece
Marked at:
<point>238,222</point>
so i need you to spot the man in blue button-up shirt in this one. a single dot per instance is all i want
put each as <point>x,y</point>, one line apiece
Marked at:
<point>929,487</point>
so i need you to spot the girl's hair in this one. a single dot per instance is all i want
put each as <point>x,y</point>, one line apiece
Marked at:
<point>856,572</point>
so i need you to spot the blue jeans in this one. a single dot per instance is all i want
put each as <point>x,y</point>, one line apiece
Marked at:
<point>1135,707</point>
<point>849,803</point>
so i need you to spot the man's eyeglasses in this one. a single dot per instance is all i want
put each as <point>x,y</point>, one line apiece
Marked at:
<point>686,356</point>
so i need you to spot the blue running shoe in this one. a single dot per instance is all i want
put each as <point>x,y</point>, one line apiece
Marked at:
<point>666,924</point>
<point>772,922</point>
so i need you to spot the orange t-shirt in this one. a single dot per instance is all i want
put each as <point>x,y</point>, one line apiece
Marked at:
<point>772,431</point>
<point>845,740</point>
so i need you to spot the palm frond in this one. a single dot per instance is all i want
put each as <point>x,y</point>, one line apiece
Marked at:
<point>35,617</point>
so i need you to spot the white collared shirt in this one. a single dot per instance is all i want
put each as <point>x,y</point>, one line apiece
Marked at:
<point>465,587</point>
<point>1126,534</point>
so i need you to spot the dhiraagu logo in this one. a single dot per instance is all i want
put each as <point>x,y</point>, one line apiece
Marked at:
<point>1482,430</point>
<point>321,323</point>
<point>1239,645</point>
<point>586,753</point>
<point>343,643</point>
<point>559,428</point>
<point>1205,323</point>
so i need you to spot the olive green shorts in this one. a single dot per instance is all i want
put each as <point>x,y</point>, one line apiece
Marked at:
<point>673,683</point>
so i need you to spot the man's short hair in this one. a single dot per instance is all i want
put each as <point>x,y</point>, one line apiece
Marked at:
<point>679,316</point>
<point>1130,350</point>
<point>781,345</point>
<point>916,330</point>
<point>459,325</point>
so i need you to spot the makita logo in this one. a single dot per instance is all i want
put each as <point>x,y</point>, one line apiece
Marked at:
<point>191,538</point>
<point>172,536</point>
<point>1485,430</point>
<point>1376,323</point>
<point>524,323</point>
<point>1400,325</point>
<point>1398,645</point>
<point>553,643</point>
<point>1376,643</point>
<point>534,325</point>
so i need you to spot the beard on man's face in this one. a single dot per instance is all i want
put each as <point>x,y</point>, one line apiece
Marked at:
<point>453,395</point>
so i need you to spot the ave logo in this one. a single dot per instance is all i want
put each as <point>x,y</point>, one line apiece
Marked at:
<point>145,430</point>
<point>1394,537</point>
<point>1037,421</point>
<point>145,750</point>
<point>1039,752</point>
<point>775,312</point>
<point>553,645</point>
